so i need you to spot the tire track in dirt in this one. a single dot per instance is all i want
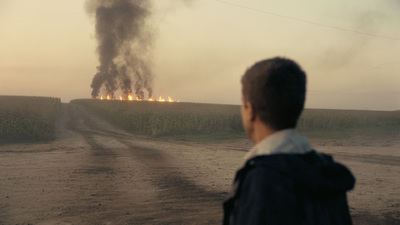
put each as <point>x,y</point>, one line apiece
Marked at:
<point>98,172</point>
<point>76,122</point>
<point>179,199</point>
<point>178,194</point>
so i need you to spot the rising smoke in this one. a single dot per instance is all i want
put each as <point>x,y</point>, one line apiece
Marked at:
<point>124,40</point>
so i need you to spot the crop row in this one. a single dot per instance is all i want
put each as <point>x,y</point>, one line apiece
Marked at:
<point>322,119</point>
<point>155,118</point>
<point>166,118</point>
<point>25,119</point>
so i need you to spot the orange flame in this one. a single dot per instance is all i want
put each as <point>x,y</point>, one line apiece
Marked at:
<point>161,99</point>
<point>131,98</point>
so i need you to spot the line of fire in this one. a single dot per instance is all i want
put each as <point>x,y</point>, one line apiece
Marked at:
<point>131,98</point>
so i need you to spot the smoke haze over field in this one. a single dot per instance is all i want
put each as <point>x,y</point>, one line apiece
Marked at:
<point>123,44</point>
<point>196,51</point>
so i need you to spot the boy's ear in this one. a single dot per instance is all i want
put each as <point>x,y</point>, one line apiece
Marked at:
<point>251,111</point>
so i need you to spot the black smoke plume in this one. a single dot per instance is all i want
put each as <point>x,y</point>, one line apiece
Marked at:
<point>124,41</point>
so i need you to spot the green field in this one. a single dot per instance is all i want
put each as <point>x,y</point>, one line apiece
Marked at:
<point>168,118</point>
<point>27,119</point>
<point>224,122</point>
<point>329,123</point>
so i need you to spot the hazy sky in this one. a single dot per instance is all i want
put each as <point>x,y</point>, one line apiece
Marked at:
<point>202,47</point>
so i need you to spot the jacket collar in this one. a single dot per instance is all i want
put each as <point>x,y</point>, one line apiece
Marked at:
<point>286,141</point>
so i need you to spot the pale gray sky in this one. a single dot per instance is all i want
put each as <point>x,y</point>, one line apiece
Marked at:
<point>201,48</point>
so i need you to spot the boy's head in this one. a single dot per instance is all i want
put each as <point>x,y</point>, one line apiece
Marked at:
<point>275,89</point>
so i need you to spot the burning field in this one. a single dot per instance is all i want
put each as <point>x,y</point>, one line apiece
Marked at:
<point>124,42</point>
<point>129,97</point>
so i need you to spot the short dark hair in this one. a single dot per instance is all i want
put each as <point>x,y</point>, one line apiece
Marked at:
<point>276,88</point>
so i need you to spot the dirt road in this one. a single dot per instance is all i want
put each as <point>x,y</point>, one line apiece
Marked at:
<point>94,173</point>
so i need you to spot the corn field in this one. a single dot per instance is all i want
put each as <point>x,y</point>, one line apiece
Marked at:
<point>26,119</point>
<point>156,118</point>
<point>322,119</point>
<point>328,123</point>
<point>167,118</point>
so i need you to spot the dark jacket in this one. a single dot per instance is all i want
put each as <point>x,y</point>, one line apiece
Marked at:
<point>290,189</point>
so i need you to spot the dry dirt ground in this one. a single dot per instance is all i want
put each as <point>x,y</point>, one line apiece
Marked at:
<point>94,173</point>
